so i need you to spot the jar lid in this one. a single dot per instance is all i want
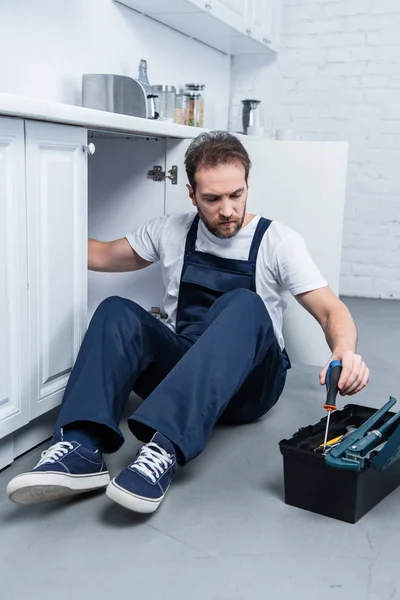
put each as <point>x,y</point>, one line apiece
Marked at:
<point>195,86</point>
<point>164,88</point>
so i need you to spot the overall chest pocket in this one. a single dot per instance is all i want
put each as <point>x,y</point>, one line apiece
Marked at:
<point>217,279</point>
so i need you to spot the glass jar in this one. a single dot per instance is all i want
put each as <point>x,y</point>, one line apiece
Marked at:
<point>196,96</point>
<point>181,108</point>
<point>193,109</point>
<point>165,103</point>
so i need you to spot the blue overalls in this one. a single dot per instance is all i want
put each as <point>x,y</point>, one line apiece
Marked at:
<point>222,364</point>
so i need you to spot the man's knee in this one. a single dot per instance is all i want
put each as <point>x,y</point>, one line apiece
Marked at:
<point>118,309</point>
<point>249,303</point>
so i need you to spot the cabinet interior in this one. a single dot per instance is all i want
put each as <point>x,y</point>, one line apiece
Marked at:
<point>121,197</point>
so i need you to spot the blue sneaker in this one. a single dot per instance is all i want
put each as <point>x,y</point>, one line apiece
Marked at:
<point>142,486</point>
<point>65,469</point>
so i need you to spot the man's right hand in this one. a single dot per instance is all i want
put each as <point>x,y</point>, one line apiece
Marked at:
<point>114,257</point>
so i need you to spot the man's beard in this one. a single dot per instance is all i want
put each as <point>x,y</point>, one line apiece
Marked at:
<point>216,228</point>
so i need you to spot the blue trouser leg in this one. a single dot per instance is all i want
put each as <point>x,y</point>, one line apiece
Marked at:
<point>234,371</point>
<point>122,343</point>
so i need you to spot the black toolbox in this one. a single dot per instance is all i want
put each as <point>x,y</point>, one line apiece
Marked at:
<point>342,494</point>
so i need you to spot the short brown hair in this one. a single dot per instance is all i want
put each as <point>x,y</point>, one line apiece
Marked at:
<point>214,148</point>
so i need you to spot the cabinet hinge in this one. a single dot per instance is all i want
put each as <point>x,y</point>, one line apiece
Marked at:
<point>157,313</point>
<point>158,174</point>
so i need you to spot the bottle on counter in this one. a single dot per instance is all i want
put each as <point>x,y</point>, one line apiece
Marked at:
<point>144,80</point>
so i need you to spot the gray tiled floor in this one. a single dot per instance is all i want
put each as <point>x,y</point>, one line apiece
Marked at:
<point>223,532</point>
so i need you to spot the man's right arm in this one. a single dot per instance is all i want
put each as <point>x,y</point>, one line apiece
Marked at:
<point>114,257</point>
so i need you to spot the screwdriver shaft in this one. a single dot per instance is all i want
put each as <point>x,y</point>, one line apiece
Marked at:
<point>326,429</point>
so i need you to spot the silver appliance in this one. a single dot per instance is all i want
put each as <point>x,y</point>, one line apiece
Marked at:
<point>250,115</point>
<point>117,94</point>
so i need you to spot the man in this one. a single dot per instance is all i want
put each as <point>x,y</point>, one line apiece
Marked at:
<point>228,275</point>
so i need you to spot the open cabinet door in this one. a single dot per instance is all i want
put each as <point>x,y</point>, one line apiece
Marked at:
<point>176,195</point>
<point>301,184</point>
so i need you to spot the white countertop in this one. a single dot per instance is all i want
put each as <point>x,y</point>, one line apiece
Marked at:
<point>42,110</point>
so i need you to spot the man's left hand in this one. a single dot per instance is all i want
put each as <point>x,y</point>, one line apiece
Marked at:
<point>355,373</point>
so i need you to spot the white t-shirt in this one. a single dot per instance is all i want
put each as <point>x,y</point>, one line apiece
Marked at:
<point>283,266</point>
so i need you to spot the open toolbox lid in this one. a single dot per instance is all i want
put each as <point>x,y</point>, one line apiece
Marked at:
<point>374,440</point>
<point>389,453</point>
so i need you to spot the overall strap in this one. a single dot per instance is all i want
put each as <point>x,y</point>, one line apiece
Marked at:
<point>191,237</point>
<point>262,227</point>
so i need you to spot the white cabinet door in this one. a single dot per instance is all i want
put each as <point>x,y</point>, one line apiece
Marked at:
<point>14,398</point>
<point>301,184</point>
<point>273,29</point>
<point>259,19</point>
<point>230,12</point>
<point>263,21</point>
<point>57,256</point>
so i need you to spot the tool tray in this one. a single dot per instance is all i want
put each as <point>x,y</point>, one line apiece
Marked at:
<point>342,494</point>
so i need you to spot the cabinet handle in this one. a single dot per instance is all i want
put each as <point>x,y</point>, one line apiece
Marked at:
<point>267,40</point>
<point>248,31</point>
<point>90,149</point>
<point>208,5</point>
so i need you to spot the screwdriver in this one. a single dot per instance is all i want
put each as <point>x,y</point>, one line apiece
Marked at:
<point>331,382</point>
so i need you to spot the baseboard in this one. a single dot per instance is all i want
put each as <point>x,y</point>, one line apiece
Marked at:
<point>26,438</point>
<point>6,451</point>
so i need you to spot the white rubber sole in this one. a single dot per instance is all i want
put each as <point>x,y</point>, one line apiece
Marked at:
<point>33,488</point>
<point>130,501</point>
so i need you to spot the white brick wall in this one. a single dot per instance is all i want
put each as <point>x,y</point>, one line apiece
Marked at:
<point>337,77</point>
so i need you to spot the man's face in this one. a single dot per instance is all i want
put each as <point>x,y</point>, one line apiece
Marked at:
<point>221,195</point>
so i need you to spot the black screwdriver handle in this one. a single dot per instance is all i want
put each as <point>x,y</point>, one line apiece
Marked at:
<point>332,380</point>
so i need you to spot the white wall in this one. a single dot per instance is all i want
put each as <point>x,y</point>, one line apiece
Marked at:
<point>46,46</point>
<point>337,77</point>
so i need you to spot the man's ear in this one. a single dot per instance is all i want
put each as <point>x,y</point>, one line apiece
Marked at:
<point>191,194</point>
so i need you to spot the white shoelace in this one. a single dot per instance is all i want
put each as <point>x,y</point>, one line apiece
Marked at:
<point>152,461</point>
<point>54,453</point>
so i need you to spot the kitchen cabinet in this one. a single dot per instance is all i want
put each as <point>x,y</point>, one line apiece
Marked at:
<point>43,272</point>
<point>53,195</point>
<point>231,12</point>
<point>14,397</point>
<point>56,183</point>
<point>231,26</point>
<point>263,20</point>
